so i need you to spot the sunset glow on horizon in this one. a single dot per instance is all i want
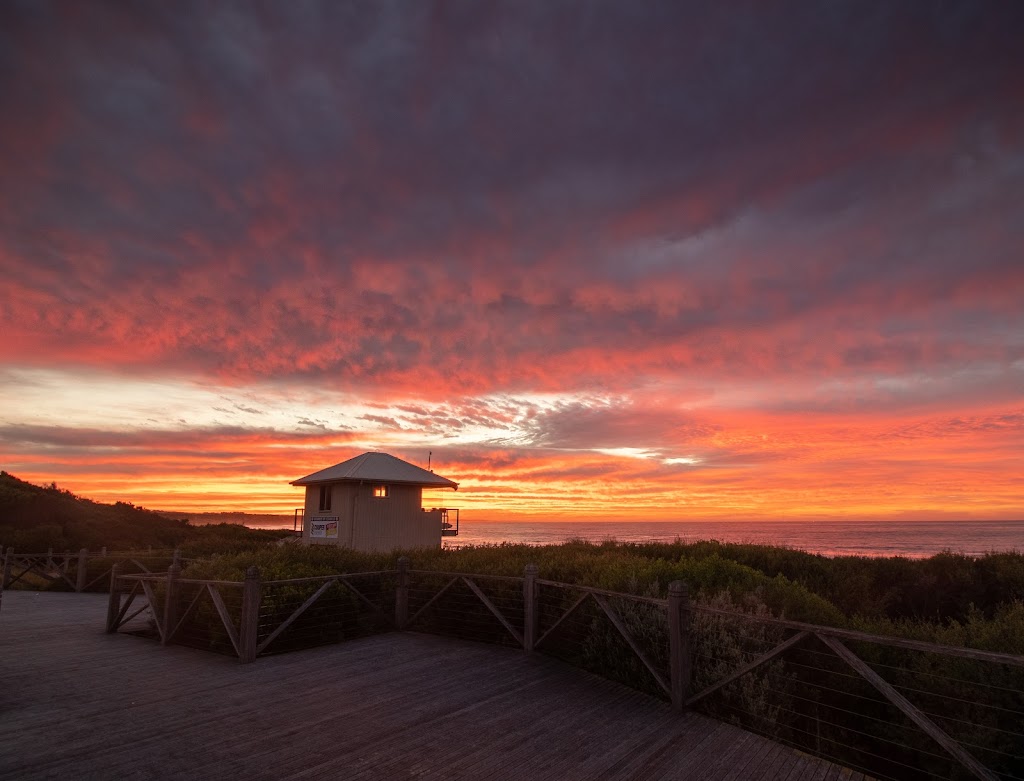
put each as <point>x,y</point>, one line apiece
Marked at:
<point>602,260</point>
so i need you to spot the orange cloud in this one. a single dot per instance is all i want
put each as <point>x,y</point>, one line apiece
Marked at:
<point>704,277</point>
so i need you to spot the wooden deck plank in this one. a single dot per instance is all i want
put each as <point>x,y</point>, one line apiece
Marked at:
<point>587,740</point>
<point>654,739</point>
<point>772,768</point>
<point>78,703</point>
<point>428,721</point>
<point>578,737</point>
<point>752,759</point>
<point>684,748</point>
<point>594,752</point>
<point>463,761</point>
<point>368,737</point>
<point>761,771</point>
<point>815,773</point>
<point>703,765</point>
<point>505,723</point>
<point>495,755</point>
<point>717,763</point>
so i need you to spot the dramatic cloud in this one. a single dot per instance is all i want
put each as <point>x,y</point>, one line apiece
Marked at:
<point>713,254</point>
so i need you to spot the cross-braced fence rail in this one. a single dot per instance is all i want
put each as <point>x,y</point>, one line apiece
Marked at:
<point>893,708</point>
<point>84,570</point>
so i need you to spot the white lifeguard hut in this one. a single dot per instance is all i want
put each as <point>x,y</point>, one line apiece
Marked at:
<point>374,502</point>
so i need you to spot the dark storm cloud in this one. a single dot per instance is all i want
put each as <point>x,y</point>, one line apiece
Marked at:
<point>512,195</point>
<point>196,440</point>
<point>613,424</point>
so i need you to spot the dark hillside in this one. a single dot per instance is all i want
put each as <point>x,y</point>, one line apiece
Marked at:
<point>34,518</point>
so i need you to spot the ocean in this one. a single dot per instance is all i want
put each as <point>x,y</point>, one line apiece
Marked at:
<point>913,539</point>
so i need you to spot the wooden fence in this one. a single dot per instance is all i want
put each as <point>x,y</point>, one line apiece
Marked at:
<point>851,697</point>
<point>254,617</point>
<point>82,571</point>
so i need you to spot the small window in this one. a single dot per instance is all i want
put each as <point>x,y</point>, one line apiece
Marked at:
<point>380,491</point>
<point>325,498</point>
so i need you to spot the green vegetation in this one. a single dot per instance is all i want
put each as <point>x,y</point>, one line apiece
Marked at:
<point>946,598</point>
<point>35,518</point>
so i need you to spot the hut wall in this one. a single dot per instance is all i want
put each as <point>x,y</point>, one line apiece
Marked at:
<point>342,496</point>
<point>370,523</point>
<point>394,521</point>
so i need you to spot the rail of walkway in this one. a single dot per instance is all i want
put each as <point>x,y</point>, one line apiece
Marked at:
<point>83,570</point>
<point>891,707</point>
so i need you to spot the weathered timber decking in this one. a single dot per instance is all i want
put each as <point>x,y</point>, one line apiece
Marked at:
<point>77,703</point>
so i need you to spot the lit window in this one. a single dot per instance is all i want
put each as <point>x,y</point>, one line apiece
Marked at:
<point>325,498</point>
<point>380,491</point>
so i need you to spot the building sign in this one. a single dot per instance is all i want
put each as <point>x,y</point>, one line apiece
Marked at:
<point>324,527</point>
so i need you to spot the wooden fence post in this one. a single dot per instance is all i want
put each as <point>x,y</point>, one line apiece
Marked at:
<point>171,602</point>
<point>3,576</point>
<point>81,576</point>
<point>530,607</point>
<point>402,594</point>
<point>103,552</point>
<point>114,600</point>
<point>249,623</point>
<point>8,563</point>
<point>64,564</point>
<point>679,643</point>
<point>176,558</point>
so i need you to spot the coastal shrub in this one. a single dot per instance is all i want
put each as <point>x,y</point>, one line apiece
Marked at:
<point>458,612</point>
<point>978,703</point>
<point>604,651</point>
<point>859,589</point>
<point>36,539</point>
<point>1002,632</point>
<point>722,644</point>
<point>289,562</point>
<point>628,569</point>
<point>226,538</point>
<point>337,615</point>
<point>919,598</point>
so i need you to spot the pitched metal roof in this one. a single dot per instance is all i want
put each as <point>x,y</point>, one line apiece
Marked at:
<point>377,468</point>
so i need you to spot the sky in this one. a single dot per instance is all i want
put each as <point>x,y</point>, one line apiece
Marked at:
<point>595,260</point>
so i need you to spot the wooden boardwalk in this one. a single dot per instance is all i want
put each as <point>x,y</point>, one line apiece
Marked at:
<point>79,704</point>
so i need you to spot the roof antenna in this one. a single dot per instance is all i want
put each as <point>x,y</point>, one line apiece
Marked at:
<point>430,454</point>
